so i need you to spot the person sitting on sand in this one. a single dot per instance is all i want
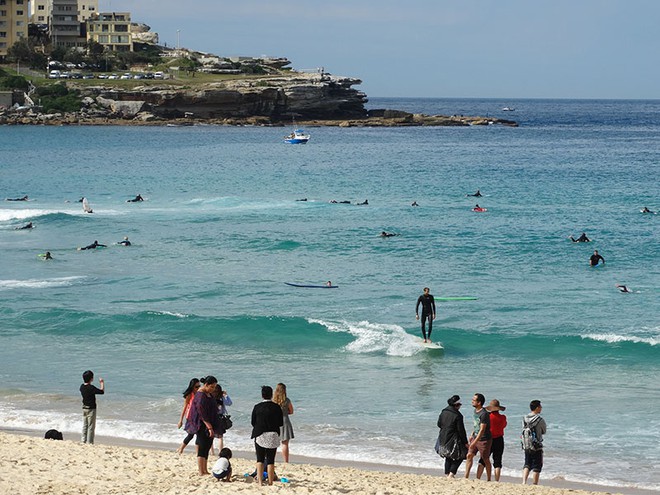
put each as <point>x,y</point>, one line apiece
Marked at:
<point>125,241</point>
<point>582,238</point>
<point>24,198</point>
<point>26,226</point>
<point>388,234</point>
<point>93,245</point>
<point>222,468</point>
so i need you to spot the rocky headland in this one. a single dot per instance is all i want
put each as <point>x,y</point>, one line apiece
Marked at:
<point>312,99</point>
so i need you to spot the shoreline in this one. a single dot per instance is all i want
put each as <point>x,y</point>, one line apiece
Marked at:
<point>361,470</point>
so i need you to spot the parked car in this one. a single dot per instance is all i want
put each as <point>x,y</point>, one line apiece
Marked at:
<point>102,76</point>
<point>127,75</point>
<point>113,76</point>
<point>159,75</point>
<point>54,74</point>
<point>88,76</point>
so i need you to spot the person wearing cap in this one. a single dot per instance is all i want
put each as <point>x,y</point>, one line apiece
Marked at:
<point>497,425</point>
<point>452,440</point>
<point>480,440</point>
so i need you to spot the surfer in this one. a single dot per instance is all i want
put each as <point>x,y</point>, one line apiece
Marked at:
<point>47,256</point>
<point>414,203</point>
<point>365,202</point>
<point>645,210</point>
<point>125,241</point>
<point>86,207</point>
<point>623,288</point>
<point>303,199</point>
<point>582,238</point>
<point>596,258</point>
<point>476,195</point>
<point>388,234</point>
<point>136,199</point>
<point>328,283</point>
<point>24,198</point>
<point>428,312</point>
<point>26,226</point>
<point>93,245</point>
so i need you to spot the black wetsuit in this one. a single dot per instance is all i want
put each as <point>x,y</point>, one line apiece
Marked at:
<point>94,245</point>
<point>428,311</point>
<point>125,242</point>
<point>595,258</point>
<point>582,238</point>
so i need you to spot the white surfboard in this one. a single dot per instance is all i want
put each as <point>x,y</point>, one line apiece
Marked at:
<point>428,345</point>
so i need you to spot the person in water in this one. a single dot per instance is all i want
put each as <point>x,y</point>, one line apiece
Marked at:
<point>388,234</point>
<point>125,241</point>
<point>414,203</point>
<point>646,210</point>
<point>24,198</point>
<point>428,312</point>
<point>136,199</point>
<point>26,226</point>
<point>47,256</point>
<point>596,258</point>
<point>365,202</point>
<point>582,238</point>
<point>477,194</point>
<point>93,245</point>
<point>328,283</point>
<point>623,288</point>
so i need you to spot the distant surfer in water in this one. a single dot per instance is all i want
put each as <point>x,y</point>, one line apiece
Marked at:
<point>596,258</point>
<point>93,245</point>
<point>623,288</point>
<point>328,283</point>
<point>24,198</point>
<point>414,203</point>
<point>476,195</point>
<point>646,210</point>
<point>427,302</point>
<point>26,226</point>
<point>365,202</point>
<point>47,256</point>
<point>388,234</point>
<point>125,241</point>
<point>136,199</point>
<point>582,238</point>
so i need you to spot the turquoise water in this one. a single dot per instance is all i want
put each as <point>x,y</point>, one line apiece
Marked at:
<point>201,290</point>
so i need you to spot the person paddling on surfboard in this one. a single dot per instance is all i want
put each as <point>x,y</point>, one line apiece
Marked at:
<point>428,312</point>
<point>582,238</point>
<point>93,245</point>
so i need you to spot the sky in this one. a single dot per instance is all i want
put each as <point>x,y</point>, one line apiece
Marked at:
<point>433,48</point>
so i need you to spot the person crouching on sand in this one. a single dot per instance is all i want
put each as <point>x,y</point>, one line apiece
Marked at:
<point>222,468</point>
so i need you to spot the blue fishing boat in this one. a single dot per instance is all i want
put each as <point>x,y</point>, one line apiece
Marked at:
<point>298,136</point>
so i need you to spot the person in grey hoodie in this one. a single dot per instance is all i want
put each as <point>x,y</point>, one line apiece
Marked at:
<point>534,458</point>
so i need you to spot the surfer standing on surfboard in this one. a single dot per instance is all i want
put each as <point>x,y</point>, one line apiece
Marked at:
<point>428,312</point>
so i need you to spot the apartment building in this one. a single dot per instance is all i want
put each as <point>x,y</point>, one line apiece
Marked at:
<point>112,30</point>
<point>40,10</point>
<point>13,23</point>
<point>65,29</point>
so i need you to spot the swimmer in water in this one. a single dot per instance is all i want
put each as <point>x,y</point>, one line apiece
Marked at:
<point>93,245</point>
<point>623,288</point>
<point>596,258</point>
<point>582,238</point>
<point>388,234</point>
<point>26,226</point>
<point>125,241</point>
<point>47,256</point>
<point>646,210</point>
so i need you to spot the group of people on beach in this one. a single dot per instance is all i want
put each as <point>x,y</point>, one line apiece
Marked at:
<point>487,438</point>
<point>205,417</point>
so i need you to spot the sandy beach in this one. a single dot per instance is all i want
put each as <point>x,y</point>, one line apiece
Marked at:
<point>32,465</point>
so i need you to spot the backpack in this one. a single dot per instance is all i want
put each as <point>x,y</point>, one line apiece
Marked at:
<point>528,440</point>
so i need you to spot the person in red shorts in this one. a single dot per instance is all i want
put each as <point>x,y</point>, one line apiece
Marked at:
<point>480,440</point>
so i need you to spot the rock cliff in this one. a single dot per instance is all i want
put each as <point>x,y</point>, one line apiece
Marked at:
<point>307,96</point>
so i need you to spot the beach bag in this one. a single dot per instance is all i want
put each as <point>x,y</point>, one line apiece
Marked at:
<point>528,439</point>
<point>453,450</point>
<point>225,421</point>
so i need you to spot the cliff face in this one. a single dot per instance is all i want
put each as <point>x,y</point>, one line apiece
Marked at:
<point>308,96</point>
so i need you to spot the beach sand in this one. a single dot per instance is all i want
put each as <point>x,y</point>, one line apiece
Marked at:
<point>31,465</point>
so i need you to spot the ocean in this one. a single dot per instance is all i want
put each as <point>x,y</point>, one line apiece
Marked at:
<point>202,288</point>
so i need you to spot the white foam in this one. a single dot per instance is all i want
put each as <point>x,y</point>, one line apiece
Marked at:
<point>375,337</point>
<point>39,283</point>
<point>169,313</point>
<point>612,338</point>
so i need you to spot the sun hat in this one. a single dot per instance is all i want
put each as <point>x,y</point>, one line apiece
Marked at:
<point>495,406</point>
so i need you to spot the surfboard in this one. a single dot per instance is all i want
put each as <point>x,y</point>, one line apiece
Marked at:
<point>309,286</point>
<point>457,298</point>
<point>479,210</point>
<point>428,345</point>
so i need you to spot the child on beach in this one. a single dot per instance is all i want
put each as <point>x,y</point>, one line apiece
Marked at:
<point>89,393</point>
<point>222,467</point>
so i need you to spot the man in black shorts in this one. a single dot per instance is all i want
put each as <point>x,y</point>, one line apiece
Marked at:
<point>534,457</point>
<point>428,312</point>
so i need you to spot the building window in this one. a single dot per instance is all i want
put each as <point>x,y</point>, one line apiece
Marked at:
<point>19,23</point>
<point>3,34</point>
<point>41,18</point>
<point>41,7</point>
<point>19,2</point>
<point>19,12</point>
<point>3,13</point>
